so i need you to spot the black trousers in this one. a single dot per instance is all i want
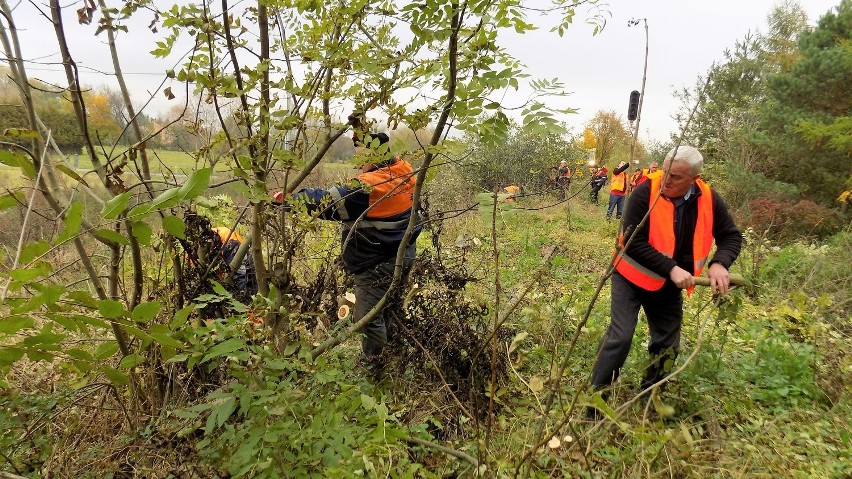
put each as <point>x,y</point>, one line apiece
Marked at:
<point>370,286</point>
<point>593,194</point>
<point>664,309</point>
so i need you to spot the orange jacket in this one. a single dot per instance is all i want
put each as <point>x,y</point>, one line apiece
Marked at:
<point>661,236</point>
<point>390,188</point>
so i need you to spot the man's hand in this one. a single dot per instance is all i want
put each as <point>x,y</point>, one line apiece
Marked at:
<point>681,278</point>
<point>720,280</point>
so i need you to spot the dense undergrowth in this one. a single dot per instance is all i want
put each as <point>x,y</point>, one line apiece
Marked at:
<point>762,389</point>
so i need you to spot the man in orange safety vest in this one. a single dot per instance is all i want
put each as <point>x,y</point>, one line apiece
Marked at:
<point>664,255</point>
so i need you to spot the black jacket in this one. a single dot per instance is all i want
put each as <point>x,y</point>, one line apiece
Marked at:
<point>363,246</point>
<point>725,233</point>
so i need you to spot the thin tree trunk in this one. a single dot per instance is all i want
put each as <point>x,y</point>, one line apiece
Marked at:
<point>125,94</point>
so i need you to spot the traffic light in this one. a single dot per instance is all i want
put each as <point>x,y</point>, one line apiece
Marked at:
<point>633,107</point>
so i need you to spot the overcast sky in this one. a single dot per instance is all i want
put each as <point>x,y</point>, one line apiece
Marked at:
<point>686,37</point>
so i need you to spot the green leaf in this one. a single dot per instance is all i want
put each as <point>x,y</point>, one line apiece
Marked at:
<point>174,226</point>
<point>196,184</point>
<point>81,354</point>
<point>166,341</point>
<point>36,355</point>
<point>166,199</point>
<point>143,232</point>
<point>33,250</point>
<point>18,160</point>
<point>84,298</point>
<point>164,336</point>
<point>220,290</point>
<point>115,205</point>
<point>224,411</point>
<point>181,317</point>
<point>73,220</point>
<point>106,350</point>
<point>131,361</point>
<point>40,268</point>
<point>9,355</point>
<point>115,375</point>
<point>70,172</point>
<point>11,200</point>
<point>223,349</point>
<point>112,235</point>
<point>13,324</point>
<point>45,339</point>
<point>67,322</point>
<point>368,402</point>
<point>146,311</point>
<point>22,133</point>
<point>139,212</point>
<point>111,309</point>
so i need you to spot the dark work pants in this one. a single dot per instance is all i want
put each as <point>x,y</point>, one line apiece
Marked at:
<point>616,202</point>
<point>593,194</point>
<point>370,286</point>
<point>664,309</point>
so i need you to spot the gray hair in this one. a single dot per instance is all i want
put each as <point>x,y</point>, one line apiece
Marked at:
<point>689,155</point>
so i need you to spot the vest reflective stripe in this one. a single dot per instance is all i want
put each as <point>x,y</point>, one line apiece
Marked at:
<point>381,225</point>
<point>339,203</point>
<point>661,236</point>
<point>618,182</point>
<point>390,188</point>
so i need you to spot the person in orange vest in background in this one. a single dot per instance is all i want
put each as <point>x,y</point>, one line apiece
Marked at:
<point>598,180</point>
<point>215,251</point>
<point>375,210</point>
<point>245,281</point>
<point>641,174</point>
<point>617,190</point>
<point>636,177</point>
<point>512,191</point>
<point>652,169</point>
<point>662,259</point>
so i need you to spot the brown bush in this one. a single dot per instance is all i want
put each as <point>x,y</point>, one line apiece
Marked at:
<point>791,220</point>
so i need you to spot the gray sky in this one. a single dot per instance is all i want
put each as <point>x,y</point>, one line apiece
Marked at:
<point>686,37</point>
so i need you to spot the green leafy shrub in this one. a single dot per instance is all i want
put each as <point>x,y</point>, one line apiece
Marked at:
<point>783,372</point>
<point>813,270</point>
<point>740,186</point>
<point>24,442</point>
<point>282,417</point>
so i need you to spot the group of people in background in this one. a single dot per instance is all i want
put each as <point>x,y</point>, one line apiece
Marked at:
<point>620,185</point>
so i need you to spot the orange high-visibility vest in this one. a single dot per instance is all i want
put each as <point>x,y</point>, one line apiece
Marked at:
<point>397,182</point>
<point>225,232</point>
<point>661,236</point>
<point>618,182</point>
<point>636,178</point>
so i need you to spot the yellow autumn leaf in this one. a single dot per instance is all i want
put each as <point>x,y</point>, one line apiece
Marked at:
<point>536,384</point>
